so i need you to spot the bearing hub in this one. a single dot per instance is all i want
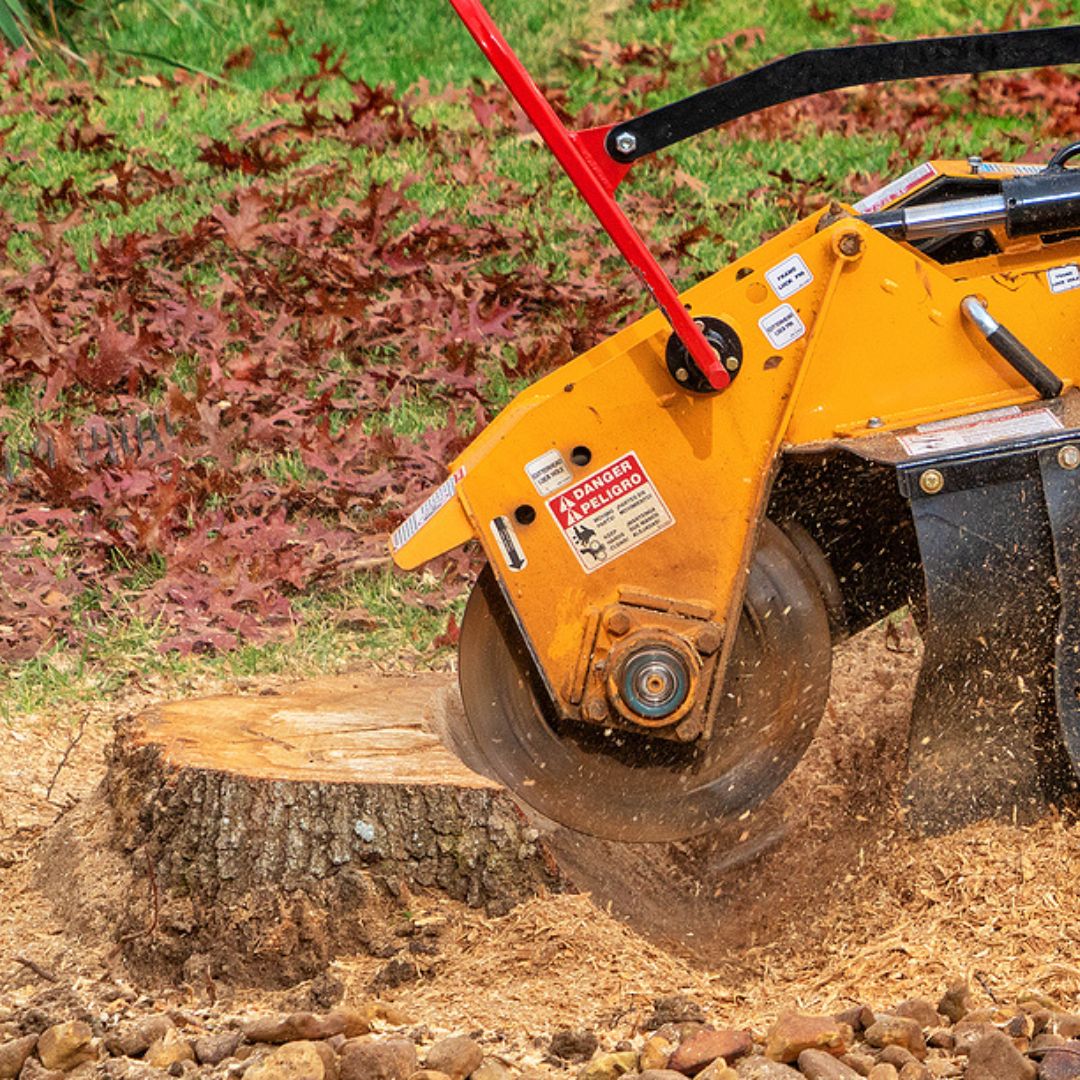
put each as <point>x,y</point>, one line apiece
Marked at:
<point>653,678</point>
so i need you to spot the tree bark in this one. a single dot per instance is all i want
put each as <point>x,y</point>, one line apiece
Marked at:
<point>270,832</point>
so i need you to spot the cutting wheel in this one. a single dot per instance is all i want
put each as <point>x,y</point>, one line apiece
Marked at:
<point>619,785</point>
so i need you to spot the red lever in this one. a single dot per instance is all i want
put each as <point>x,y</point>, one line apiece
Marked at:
<point>596,175</point>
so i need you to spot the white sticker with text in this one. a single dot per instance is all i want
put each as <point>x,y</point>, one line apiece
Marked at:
<point>1063,278</point>
<point>610,512</point>
<point>979,429</point>
<point>789,276</point>
<point>548,472</point>
<point>782,326</point>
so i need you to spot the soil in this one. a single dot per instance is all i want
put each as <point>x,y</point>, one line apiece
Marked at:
<point>823,902</point>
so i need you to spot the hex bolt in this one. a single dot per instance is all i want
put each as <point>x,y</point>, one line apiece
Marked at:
<point>1069,456</point>
<point>732,363</point>
<point>626,142</point>
<point>596,709</point>
<point>708,639</point>
<point>617,623</point>
<point>931,481</point>
<point>850,244</point>
<point>682,374</point>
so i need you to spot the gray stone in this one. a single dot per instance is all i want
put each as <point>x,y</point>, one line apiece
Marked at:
<point>214,1049</point>
<point>820,1065</point>
<point>955,1003</point>
<point>1060,1062</point>
<point>994,1057</point>
<point>133,1040</point>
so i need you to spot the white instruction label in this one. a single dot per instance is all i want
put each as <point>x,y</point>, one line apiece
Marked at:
<point>610,512</point>
<point>1063,278</point>
<point>507,541</point>
<point>425,511</point>
<point>881,198</point>
<point>549,472</point>
<point>789,276</point>
<point>979,429</point>
<point>782,326</point>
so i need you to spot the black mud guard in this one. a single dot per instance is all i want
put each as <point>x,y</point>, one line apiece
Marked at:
<point>996,717</point>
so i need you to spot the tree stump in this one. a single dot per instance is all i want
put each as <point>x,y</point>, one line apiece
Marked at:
<point>268,833</point>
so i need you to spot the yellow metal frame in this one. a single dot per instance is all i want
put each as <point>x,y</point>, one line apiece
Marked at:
<point>883,338</point>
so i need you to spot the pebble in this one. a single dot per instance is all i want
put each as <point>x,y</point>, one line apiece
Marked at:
<point>883,1071</point>
<point>658,1074</point>
<point>64,1046</point>
<point>171,1048</point>
<point>956,1001</point>
<point>1060,1062</point>
<point>919,1010</point>
<point>135,1039</point>
<point>609,1066</point>
<point>34,1070</point>
<point>1067,1025</point>
<point>941,1039</point>
<point>707,1046</point>
<point>654,1054</point>
<point>915,1070</point>
<point>457,1057</point>
<point>307,1026</point>
<point>897,1031</point>
<point>994,1057</point>
<point>214,1049</point>
<point>675,1009</point>
<point>14,1054</point>
<point>858,1018</point>
<point>763,1068</point>
<point>793,1033</point>
<point>297,1060</point>
<point>493,1069</point>
<point>574,1044</point>
<point>968,1032</point>
<point>386,1059</point>
<point>897,1056</point>
<point>820,1065</point>
<point>861,1063</point>
<point>944,1068</point>
<point>716,1070</point>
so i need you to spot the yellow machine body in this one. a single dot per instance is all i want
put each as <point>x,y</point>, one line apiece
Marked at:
<point>848,338</point>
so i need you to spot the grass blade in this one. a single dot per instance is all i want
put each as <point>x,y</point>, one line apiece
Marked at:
<point>12,15</point>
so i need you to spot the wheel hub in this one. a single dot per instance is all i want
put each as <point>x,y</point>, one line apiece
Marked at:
<point>654,678</point>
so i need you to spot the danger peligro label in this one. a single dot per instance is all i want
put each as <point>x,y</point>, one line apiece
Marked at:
<point>610,512</point>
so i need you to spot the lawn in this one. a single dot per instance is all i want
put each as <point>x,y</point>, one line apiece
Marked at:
<point>269,266</point>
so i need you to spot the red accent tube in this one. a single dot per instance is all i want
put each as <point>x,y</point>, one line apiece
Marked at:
<point>596,175</point>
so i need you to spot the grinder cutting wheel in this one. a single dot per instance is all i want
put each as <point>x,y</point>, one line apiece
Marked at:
<point>874,408</point>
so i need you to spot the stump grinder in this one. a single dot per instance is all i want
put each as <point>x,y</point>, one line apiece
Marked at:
<point>877,408</point>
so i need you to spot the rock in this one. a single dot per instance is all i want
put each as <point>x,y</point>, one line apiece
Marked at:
<point>676,1009</point>
<point>896,1056</point>
<point>763,1068</point>
<point>941,1039</point>
<point>383,1059</point>
<point>428,1074</point>
<point>573,1044</point>
<point>706,1046</point>
<point>1060,1062</point>
<point>919,1010</point>
<point>654,1054</point>
<point>135,1039</point>
<point>1067,1025</point>
<point>793,1033</point>
<point>214,1049</point>
<point>897,1031</point>
<point>944,1068</point>
<point>915,1070</point>
<point>307,1026</point>
<point>883,1071</point>
<point>64,1046</point>
<point>493,1069</point>
<point>609,1066</point>
<point>170,1049</point>
<point>994,1057</point>
<point>861,1063</point>
<point>955,1003</point>
<point>122,1068</point>
<point>658,1074</point>
<point>297,1060</point>
<point>1020,1029</point>
<point>820,1065</point>
<point>968,1032</point>
<point>34,1070</point>
<point>1047,1040</point>
<point>717,1070</point>
<point>457,1057</point>
<point>858,1018</point>
<point>1040,1018</point>
<point>13,1055</point>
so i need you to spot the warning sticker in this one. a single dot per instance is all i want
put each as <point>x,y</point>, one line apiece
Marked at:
<point>782,326</point>
<point>898,188</point>
<point>507,540</point>
<point>978,429</point>
<point>789,276</point>
<point>425,511</point>
<point>610,512</point>
<point>1063,278</point>
<point>549,472</point>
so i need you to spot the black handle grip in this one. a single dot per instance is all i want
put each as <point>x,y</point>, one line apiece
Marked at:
<point>1023,360</point>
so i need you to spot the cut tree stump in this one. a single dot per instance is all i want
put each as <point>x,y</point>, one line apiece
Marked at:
<point>268,833</point>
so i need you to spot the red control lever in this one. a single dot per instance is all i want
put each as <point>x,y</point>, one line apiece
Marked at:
<point>595,174</point>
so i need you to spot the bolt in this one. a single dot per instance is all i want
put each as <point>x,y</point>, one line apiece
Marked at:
<point>931,481</point>
<point>850,244</point>
<point>626,142</point>
<point>732,363</point>
<point>617,622</point>
<point>875,421</point>
<point>682,374</point>
<point>1069,457</point>
<point>596,709</point>
<point>708,639</point>
<point>975,163</point>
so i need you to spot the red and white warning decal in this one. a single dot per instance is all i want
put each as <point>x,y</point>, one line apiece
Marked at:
<point>610,512</point>
<point>881,198</point>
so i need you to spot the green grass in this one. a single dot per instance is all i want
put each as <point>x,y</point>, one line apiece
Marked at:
<point>390,41</point>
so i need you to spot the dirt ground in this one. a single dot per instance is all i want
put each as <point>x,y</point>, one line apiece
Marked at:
<point>824,902</point>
